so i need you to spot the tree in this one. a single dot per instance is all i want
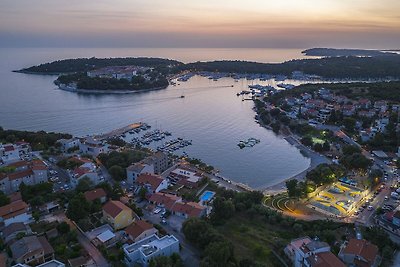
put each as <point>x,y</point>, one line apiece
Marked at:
<point>199,232</point>
<point>142,193</point>
<point>63,228</point>
<point>219,253</point>
<point>4,200</point>
<point>356,161</point>
<point>117,192</point>
<point>350,150</point>
<point>117,173</point>
<point>307,141</point>
<point>78,208</point>
<point>349,124</point>
<point>291,186</point>
<point>84,184</point>
<point>222,209</point>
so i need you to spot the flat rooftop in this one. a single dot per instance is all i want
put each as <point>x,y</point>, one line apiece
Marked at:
<point>151,244</point>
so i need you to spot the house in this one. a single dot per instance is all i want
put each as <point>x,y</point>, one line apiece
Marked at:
<point>81,172</point>
<point>301,248</point>
<point>140,230</point>
<point>67,144</point>
<point>185,177</point>
<point>32,250</point>
<point>381,106</point>
<point>364,103</point>
<point>29,173</point>
<point>9,153</point>
<point>92,146</point>
<point>360,253</point>
<point>117,214</point>
<point>11,231</point>
<point>323,259</point>
<point>17,211</point>
<point>188,209</point>
<point>141,252</point>
<point>97,193</point>
<point>164,200</point>
<point>368,114</point>
<point>136,169</point>
<point>153,183</point>
<point>348,110</point>
<point>52,263</point>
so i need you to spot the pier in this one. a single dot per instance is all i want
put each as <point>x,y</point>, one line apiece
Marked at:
<point>119,131</point>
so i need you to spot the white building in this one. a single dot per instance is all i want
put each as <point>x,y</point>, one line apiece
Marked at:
<point>133,171</point>
<point>13,152</point>
<point>301,248</point>
<point>146,249</point>
<point>92,146</point>
<point>68,143</point>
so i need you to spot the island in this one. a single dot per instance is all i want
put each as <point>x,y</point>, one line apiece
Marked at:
<point>116,75</point>
<point>334,52</point>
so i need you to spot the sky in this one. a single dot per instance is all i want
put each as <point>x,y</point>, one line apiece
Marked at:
<point>201,23</point>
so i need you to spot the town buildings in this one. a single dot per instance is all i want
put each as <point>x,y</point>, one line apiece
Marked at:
<point>146,249</point>
<point>139,230</point>
<point>32,250</point>
<point>117,214</point>
<point>311,253</point>
<point>360,253</point>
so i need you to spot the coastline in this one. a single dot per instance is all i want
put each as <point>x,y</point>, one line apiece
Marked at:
<point>315,160</point>
<point>99,91</point>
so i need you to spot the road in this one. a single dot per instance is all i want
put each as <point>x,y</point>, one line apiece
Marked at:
<point>189,254</point>
<point>92,250</point>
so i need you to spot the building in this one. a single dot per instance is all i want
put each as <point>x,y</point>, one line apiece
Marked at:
<point>29,173</point>
<point>360,253</point>
<point>140,230</point>
<point>17,211</point>
<point>13,152</point>
<point>185,177</point>
<point>136,169</point>
<point>164,200</point>
<point>52,263</point>
<point>91,146</point>
<point>32,250</point>
<point>81,172</point>
<point>97,193</point>
<point>323,259</point>
<point>301,248</point>
<point>188,209</point>
<point>159,160</point>
<point>117,214</point>
<point>67,144</point>
<point>153,183</point>
<point>11,231</point>
<point>153,246</point>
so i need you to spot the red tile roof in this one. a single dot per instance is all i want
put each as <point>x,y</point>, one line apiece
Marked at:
<point>137,228</point>
<point>81,171</point>
<point>167,200</point>
<point>152,180</point>
<point>362,248</point>
<point>19,175</point>
<point>191,209</point>
<point>8,148</point>
<point>95,194</point>
<point>13,209</point>
<point>325,259</point>
<point>113,208</point>
<point>18,164</point>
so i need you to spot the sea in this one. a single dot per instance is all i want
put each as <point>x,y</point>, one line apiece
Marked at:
<point>210,114</point>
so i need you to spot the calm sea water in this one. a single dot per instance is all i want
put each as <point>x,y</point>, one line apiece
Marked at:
<point>211,114</point>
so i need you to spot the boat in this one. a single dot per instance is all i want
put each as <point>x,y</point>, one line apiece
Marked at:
<point>182,96</point>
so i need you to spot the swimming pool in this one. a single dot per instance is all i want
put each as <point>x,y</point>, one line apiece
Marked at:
<point>207,196</point>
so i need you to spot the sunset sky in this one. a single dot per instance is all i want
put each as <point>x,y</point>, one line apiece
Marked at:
<point>205,23</point>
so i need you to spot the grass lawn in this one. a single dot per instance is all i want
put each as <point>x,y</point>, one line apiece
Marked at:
<point>253,238</point>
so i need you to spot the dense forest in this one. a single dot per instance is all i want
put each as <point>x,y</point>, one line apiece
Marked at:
<point>38,140</point>
<point>86,64</point>
<point>137,83</point>
<point>334,67</point>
